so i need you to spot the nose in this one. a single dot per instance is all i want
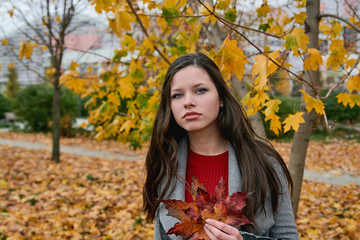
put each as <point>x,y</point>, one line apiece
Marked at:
<point>188,101</point>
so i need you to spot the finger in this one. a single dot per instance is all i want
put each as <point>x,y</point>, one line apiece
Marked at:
<point>209,233</point>
<point>217,233</point>
<point>230,230</point>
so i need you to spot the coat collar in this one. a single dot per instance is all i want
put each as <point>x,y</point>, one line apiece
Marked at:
<point>177,187</point>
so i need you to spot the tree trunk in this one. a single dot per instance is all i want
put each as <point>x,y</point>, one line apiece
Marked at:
<point>56,121</point>
<point>302,136</point>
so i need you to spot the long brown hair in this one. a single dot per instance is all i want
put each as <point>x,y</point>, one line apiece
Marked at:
<point>252,155</point>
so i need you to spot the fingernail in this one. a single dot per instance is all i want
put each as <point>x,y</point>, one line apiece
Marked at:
<point>207,220</point>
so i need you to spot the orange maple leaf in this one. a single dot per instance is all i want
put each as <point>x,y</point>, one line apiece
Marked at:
<point>223,208</point>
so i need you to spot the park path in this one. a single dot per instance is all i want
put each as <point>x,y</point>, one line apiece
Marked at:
<point>324,177</point>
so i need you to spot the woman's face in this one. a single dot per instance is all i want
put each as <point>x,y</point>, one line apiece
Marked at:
<point>195,101</point>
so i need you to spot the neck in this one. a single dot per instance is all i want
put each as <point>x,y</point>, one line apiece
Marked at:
<point>209,143</point>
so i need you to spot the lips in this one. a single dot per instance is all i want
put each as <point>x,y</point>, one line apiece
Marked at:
<point>191,115</point>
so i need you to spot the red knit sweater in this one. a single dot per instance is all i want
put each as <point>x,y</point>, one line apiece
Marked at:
<point>208,170</point>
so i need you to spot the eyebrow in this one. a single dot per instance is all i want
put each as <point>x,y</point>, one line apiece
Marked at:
<point>194,86</point>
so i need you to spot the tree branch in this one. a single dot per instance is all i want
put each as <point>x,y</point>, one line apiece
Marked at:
<point>342,79</point>
<point>257,48</point>
<point>146,33</point>
<point>357,29</point>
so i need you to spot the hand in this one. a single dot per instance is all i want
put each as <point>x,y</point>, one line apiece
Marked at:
<point>221,231</point>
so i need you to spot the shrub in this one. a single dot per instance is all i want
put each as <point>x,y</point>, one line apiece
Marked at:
<point>338,112</point>
<point>5,106</point>
<point>34,105</point>
<point>334,111</point>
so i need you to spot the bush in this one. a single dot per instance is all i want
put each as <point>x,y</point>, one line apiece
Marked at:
<point>5,106</point>
<point>34,105</point>
<point>338,112</point>
<point>334,111</point>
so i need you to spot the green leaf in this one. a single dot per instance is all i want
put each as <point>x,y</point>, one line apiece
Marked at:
<point>264,27</point>
<point>230,15</point>
<point>91,178</point>
<point>170,13</point>
<point>32,201</point>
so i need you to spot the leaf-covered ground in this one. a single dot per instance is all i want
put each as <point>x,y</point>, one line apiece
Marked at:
<point>93,198</point>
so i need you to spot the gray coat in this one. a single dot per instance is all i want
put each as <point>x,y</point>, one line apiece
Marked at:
<point>270,226</point>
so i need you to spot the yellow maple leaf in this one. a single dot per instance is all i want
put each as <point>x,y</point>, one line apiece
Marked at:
<point>25,49</point>
<point>73,66</point>
<point>272,107</point>
<point>128,42</point>
<point>101,5</point>
<point>223,4</point>
<point>325,28</point>
<point>353,83</point>
<point>113,98</point>
<point>349,63</point>
<point>300,17</point>
<point>123,19</point>
<point>44,47</point>
<point>293,121</point>
<point>74,83</point>
<point>344,98</point>
<point>126,87</point>
<point>313,60</point>
<point>275,28</point>
<point>263,10</point>
<point>271,66</point>
<point>275,124</point>
<point>264,67</point>
<point>57,19</point>
<point>313,103</point>
<point>296,40</point>
<point>126,126</point>
<point>301,3</point>
<point>208,10</point>
<point>337,54</point>
<point>259,68</point>
<point>231,57</point>
<point>336,29</point>
<point>145,20</point>
<point>4,41</point>
<point>355,99</point>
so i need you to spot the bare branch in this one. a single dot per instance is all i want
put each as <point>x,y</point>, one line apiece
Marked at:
<point>92,53</point>
<point>342,79</point>
<point>357,29</point>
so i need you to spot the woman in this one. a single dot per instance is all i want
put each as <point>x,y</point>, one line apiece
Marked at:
<point>200,130</point>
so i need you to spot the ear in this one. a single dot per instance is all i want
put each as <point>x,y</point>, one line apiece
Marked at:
<point>221,103</point>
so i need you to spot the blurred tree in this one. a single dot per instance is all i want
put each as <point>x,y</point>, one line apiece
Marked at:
<point>43,25</point>
<point>12,86</point>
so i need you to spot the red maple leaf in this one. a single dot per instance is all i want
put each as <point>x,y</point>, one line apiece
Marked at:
<point>223,208</point>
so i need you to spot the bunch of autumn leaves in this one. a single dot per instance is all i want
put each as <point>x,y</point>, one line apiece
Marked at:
<point>220,206</point>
